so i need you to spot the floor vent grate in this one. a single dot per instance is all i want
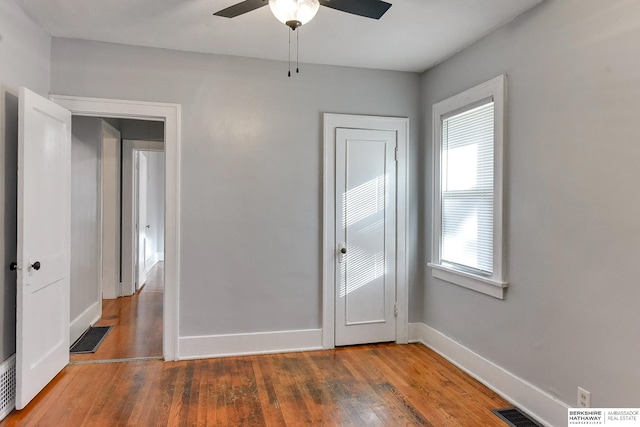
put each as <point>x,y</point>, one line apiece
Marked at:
<point>7,386</point>
<point>514,417</point>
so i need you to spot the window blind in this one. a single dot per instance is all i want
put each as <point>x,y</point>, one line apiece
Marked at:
<point>467,188</point>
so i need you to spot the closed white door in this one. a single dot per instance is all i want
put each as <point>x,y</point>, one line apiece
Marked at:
<point>141,202</point>
<point>44,211</point>
<point>365,236</point>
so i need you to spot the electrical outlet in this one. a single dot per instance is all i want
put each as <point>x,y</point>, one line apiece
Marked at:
<point>584,398</point>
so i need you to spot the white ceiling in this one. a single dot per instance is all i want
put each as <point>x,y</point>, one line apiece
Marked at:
<point>413,35</point>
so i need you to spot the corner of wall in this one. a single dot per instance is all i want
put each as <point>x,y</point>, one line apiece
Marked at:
<point>546,409</point>
<point>81,323</point>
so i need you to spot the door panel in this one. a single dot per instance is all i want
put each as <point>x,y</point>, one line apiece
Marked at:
<point>44,203</point>
<point>365,231</point>
<point>142,219</point>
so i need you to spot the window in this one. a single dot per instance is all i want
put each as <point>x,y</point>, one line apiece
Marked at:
<point>467,205</point>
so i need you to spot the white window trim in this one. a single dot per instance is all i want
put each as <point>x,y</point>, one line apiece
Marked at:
<point>494,285</point>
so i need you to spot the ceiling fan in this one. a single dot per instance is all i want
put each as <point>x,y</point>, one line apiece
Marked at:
<point>295,13</point>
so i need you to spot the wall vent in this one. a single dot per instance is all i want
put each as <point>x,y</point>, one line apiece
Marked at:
<point>7,386</point>
<point>515,417</point>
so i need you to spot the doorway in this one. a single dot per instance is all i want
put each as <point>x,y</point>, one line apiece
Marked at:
<point>169,114</point>
<point>144,250</point>
<point>143,207</point>
<point>365,199</point>
<point>130,181</point>
<point>55,130</point>
<point>365,230</point>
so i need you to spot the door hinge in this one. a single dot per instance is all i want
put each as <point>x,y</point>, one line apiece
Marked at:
<point>396,154</point>
<point>395,309</point>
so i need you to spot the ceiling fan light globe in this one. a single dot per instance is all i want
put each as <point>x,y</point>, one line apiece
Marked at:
<point>294,10</point>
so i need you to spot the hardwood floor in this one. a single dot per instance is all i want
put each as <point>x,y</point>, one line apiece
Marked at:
<point>136,321</point>
<point>371,385</point>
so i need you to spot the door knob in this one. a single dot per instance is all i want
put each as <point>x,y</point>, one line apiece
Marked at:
<point>13,266</point>
<point>342,251</point>
<point>147,226</point>
<point>35,265</point>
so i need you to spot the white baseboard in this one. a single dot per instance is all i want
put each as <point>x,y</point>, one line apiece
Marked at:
<point>88,317</point>
<point>244,344</point>
<point>537,403</point>
<point>149,263</point>
<point>153,260</point>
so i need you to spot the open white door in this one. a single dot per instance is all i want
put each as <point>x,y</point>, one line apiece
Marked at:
<point>44,203</point>
<point>141,201</point>
<point>365,235</point>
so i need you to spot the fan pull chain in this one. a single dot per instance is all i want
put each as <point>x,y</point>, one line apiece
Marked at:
<point>297,51</point>
<point>289,53</point>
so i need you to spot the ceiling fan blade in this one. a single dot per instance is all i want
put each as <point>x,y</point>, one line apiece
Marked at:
<point>241,8</point>
<point>367,8</point>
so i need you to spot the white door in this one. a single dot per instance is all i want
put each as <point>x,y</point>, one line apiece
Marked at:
<point>44,211</point>
<point>141,202</point>
<point>365,236</point>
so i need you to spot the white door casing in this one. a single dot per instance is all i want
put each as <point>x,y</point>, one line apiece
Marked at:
<point>141,223</point>
<point>44,235</point>
<point>170,115</point>
<point>400,126</point>
<point>365,235</point>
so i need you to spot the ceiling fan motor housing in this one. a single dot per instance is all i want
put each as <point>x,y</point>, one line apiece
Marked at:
<point>294,13</point>
<point>293,24</point>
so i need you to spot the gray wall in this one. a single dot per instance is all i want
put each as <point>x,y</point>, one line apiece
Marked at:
<point>24,61</point>
<point>251,176</point>
<point>571,314</point>
<point>85,213</point>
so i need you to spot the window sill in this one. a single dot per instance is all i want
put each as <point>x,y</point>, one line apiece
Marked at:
<point>484,285</point>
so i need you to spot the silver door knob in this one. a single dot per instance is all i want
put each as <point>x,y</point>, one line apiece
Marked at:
<point>147,226</point>
<point>342,251</point>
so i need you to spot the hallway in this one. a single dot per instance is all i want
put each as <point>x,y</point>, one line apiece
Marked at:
<point>136,321</point>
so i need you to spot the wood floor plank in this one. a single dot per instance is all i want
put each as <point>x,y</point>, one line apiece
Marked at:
<point>331,376</point>
<point>136,323</point>
<point>384,402</point>
<point>385,384</point>
<point>266,393</point>
<point>39,407</point>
